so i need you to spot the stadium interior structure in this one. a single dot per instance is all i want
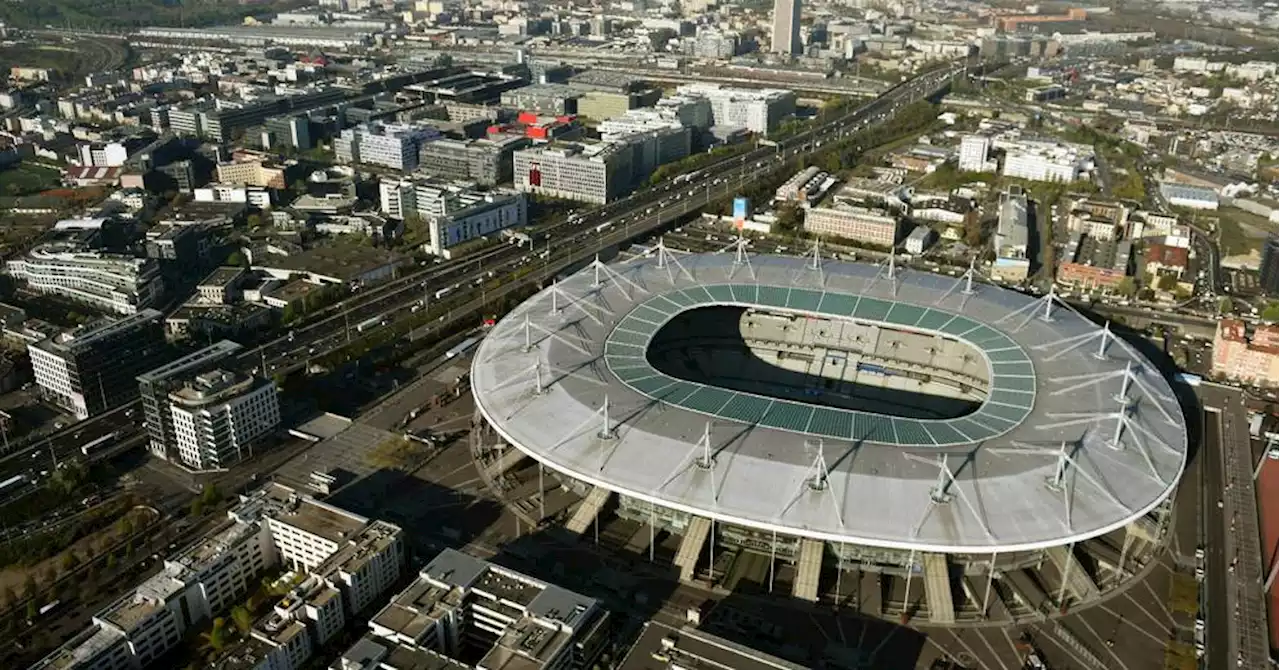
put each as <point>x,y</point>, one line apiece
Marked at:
<point>913,364</point>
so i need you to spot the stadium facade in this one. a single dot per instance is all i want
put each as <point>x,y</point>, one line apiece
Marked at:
<point>942,447</point>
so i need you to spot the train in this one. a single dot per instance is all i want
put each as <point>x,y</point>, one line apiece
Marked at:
<point>12,483</point>
<point>369,324</point>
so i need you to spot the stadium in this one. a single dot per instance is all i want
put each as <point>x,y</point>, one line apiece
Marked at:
<point>926,445</point>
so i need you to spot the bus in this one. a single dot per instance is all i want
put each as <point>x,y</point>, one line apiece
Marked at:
<point>92,446</point>
<point>12,483</point>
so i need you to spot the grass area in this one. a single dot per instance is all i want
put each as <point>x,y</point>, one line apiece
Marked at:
<point>396,453</point>
<point>28,179</point>
<point>1184,594</point>
<point>1234,238</point>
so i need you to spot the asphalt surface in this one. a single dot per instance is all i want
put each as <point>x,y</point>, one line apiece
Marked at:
<point>1217,617</point>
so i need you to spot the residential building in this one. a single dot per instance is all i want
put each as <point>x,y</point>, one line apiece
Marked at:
<point>252,169</point>
<point>92,369</point>
<point>254,196</point>
<point>155,386</point>
<point>1251,360</point>
<point>453,214</point>
<point>112,282</point>
<point>786,27</point>
<point>858,224</point>
<point>461,607</point>
<point>596,173</point>
<point>103,154</point>
<point>919,240</point>
<point>389,145</point>
<point>1161,260</point>
<point>341,562</point>
<point>1092,264</point>
<point>757,110</point>
<point>484,161</point>
<point>975,151</point>
<point>217,415</point>
<point>1269,265</point>
<point>1012,262</point>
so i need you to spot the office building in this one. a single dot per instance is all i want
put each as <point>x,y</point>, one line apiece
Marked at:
<point>92,369</point>
<point>218,415</point>
<point>974,152</point>
<point>1010,241</point>
<point>389,145</point>
<point>596,173</point>
<point>1045,160</point>
<point>251,168</point>
<point>155,385</point>
<point>453,213</point>
<point>289,131</point>
<point>1250,360</point>
<point>550,99</point>
<point>461,607</point>
<point>112,282</point>
<point>858,224</point>
<point>663,647</point>
<point>100,154</point>
<point>1186,195</point>
<point>484,161</point>
<point>1268,268</point>
<point>757,110</point>
<point>337,563</point>
<point>786,27</point>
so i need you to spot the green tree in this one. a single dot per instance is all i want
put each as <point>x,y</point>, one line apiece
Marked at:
<point>1167,282</point>
<point>29,586</point>
<point>238,258</point>
<point>197,507</point>
<point>1271,312</point>
<point>111,561</point>
<point>210,495</point>
<point>218,634</point>
<point>32,610</point>
<point>1126,287</point>
<point>1225,306</point>
<point>790,218</point>
<point>243,620</point>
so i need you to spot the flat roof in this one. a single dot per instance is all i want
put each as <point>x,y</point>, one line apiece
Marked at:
<point>813,470</point>
<point>693,648</point>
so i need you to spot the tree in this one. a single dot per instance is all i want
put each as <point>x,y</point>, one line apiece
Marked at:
<point>111,561</point>
<point>1271,312</point>
<point>1225,306</point>
<point>29,586</point>
<point>218,634</point>
<point>790,218</point>
<point>1167,282</point>
<point>1126,287</point>
<point>210,495</point>
<point>197,507</point>
<point>243,620</point>
<point>32,610</point>
<point>238,258</point>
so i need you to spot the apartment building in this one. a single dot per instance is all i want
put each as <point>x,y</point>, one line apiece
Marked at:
<point>389,145</point>
<point>218,415</point>
<point>757,110</point>
<point>462,606</point>
<point>596,173</point>
<point>858,224</point>
<point>1251,360</point>
<point>453,213</point>
<point>271,526</point>
<point>113,282</point>
<point>252,170</point>
<point>155,386</point>
<point>92,369</point>
<point>484,161</point>
<point>975,152</point>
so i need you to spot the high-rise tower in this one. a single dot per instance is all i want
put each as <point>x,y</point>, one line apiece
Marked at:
<point>786,26</point>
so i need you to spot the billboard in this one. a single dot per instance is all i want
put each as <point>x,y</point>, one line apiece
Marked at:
<point>741,208</point>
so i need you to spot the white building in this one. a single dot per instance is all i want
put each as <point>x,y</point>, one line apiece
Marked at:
<point>112,282</point>
<point>757,110</point>
<point>786,27</point>
<point>218,415</point>
<point>255,196</point>
<point>974,153</point>
<point>918,240</point>
<point>110,154</point>
<point>453,214</point>
<point>1185,195</point>
<point>389,145</point>
<point>1046,161</point>
<point>352,561</point>
<point>596,173</point>
<point>1010,241</point>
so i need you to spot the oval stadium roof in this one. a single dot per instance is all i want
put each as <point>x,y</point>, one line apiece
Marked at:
<point>1051,456</point>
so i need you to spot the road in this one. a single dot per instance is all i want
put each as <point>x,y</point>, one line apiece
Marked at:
<point>1237,620</point>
